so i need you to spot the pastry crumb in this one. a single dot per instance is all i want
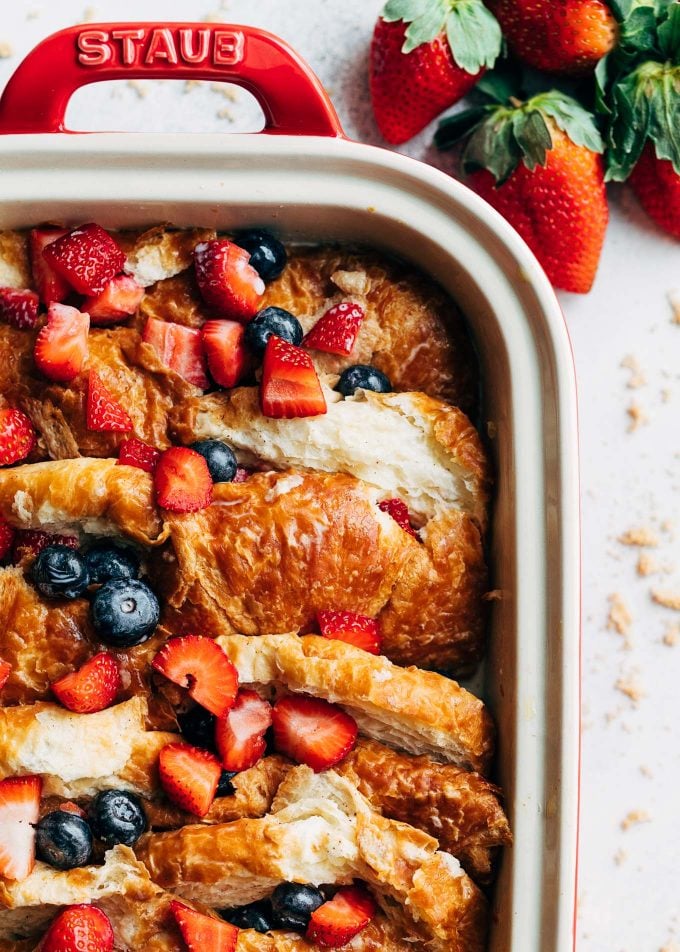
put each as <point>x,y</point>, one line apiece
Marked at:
<point>224,89</point>
<point>138,87</point>
<point>674,301</point>
<point>637,377</point>
<point>89,14</point>
<point>647,565</point>
<point>225,114</point>
<point>215,16</point>
<point>619,618</point>
<point>646,771</point>
<point>667,599</point>
<point>620,857</point>
<point>641,536</point>
<point>495,595</point>
<point>670,947</point>
<point>671,636</point>
<point>630,686</point>
<point>190,84</point>
<point>6,50</point>
<point>666,395</point>
<point>634,818</point>
<point>638,417</point>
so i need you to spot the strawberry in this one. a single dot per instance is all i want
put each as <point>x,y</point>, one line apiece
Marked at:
<point>242,474</point>
<point>68,806</point>
<point>203,933</point>
<point>338,920</point>
<point>104,414</point>
<point>17,436</point>
<point>51,288</point>
<point>228,358</point>
<point>19,810</point>
<point>398,509</point>
<point>199,664</point>
<point>18,308</point>
<point>226,279</point>
<point>290,386</point>
<point>92,687</point>
<point>61,346</point>
<point>120,298</point>
<point>5,671</point>
<point>79,929</point>
<point>558,36</point>
<point>357,630</point>
<point>189,776</point>
<point>312,731</point>
<point>656,182</point>
<point>425,56</point>
<point>336,331</point>
<point>538,164</point>
<point>29,543</point>
<point>182,480</point>
<point>134,452</point>
<point>240,734</point>
<point>7,534</point>
<point>87,257</point>
<point>180,348</point>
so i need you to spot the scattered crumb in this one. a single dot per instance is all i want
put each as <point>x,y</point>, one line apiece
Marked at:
<point>671,636</point>
<point>138,87</point>
<point>33,14</point>
<point>620,857</point>
<point>6,49</point>
<point>667,526</point>
<point>667,599</point>
<point>225,114</point>
<point>491,427</point>
<point>638,417</point>
<point>642,536</point>
<point>646,771</point>
<point>631,687</point>
<point>89,14</point>
<point>666,395</point>
<point>493,596</point>
<point>637,378</point>
<point>619,618</point>
<point>674,301</point>
<point>635,817</point>
<point>191,84</point>
<point>670,947</point>
<point>216,16</point>
<point>224,89</point>
<point>647,565</point>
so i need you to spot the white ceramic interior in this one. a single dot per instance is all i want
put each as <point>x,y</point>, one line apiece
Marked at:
<point>315,189</point>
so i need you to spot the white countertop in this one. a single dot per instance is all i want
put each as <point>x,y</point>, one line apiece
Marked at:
<point>631,745</point>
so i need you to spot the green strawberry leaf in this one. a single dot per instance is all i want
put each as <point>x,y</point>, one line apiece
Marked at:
<point>407,10</point>
<point>501,83</point>
<point>621,8</point>
<point>533,137</point>
<point>572,118</point>
<point>669,35</point>
<point>638,31</point>
<point>453,128</point>
<point>493,147</point>
<point>664,119</point>
<point>427,26</point>
<point>474,35</point>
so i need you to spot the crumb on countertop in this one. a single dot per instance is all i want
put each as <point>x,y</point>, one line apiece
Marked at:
<point>670,947</point>
<point>641,536</point>
<point>647,565</point>
<point>671,636</point>
<point>620,857</point>
<point>638,417</point>
<point>646,771</point>
<point>634,818</point>
<point>619,618</point>
<point>637,377</point>
<point>6,49</point>
<point>630,686</point>
<point>89,14</point>
<point>138,87</point>
<point>674,301</point>
<point>224,89</point>
<point>667,599</point>
<point>225,114</point>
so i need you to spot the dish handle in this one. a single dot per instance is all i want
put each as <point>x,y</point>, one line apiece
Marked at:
<point>291,96</point>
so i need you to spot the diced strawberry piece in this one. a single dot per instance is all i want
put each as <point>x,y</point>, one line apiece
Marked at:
<point>69,807</point>
<point>5,671</point>
<point>312,731</point>
<point>61,346</point>
<point>120,298</point>
<point>355,629</point>
<point>399,512</point>
<point>17,436</point>
<point>337,921</point>
<point>226,279</point>
<point>240,734</point>
<point>189,776</point>
<point>336,331</point>
<point>290,386</point>
<point>203,933</point>
<point>182,480</point>
<point>242,474</point>
<point>180,348</point>
<point>87,257</point>
<point>92,687</point>
<point>199,664</point>
<point>228,357</point>
<point>104,413</point>
<point>7,534</point>
<point>134,452</point>
<point>29,543</point>
<point>19,810</point>
<point>79,929</point>
<point>18,308</point>
<point>51,287</point>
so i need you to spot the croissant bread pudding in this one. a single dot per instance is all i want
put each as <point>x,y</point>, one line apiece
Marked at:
<point>242,559</point>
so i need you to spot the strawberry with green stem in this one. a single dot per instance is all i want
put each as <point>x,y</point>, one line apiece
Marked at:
<point>425,56</point>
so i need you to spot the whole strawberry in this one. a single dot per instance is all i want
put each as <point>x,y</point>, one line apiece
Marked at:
<point>558,36</point>
<point>539,164</point>
<point>656,182</point>
<point>425,56</point>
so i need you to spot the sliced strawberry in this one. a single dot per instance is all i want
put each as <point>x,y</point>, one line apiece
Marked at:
<point>61,346</point>
<point>203,933</point>
<point>228,358</point>
<point>87,257</point>
<point>242,474</point>
<point>7,534</point>
<point>120,298</point>
<point>189,776</point>
<point>18,308</point>
<point>199,664</point>
<point>29,543</point>
<point>336,331</point>
<point>51,287</point>
<point>134,452</point>
<point>92,687</point>
<point>104,413</point>
<point>180,348</point>
<point>17,436</point>
<point>19,809</point>
<point>182,480</point>
<point>358,630</point>
<point>290,386</point>
<point>79,929</point>
<point>240,735</point>
<point>68,806</point>
<point>5,671</point>
<point>312,731</point>
<point>226,279</point>
<point>337,921</point>
<point>399,512</point>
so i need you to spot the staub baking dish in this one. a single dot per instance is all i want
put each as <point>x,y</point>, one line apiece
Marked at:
<point>304,179</point>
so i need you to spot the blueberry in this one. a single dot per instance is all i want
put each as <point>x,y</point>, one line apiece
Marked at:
<point>225,788</point>
<point>219,457</point>
<point>60,572</point>
<point>124,612</point>
<point>64,840</point>
<point>267,254</point>
<point>117,816</point>
<point>272,320</point>
<point>257,916</point>
<point>364,377</point>
<point>198,727</point>
<point>106,561</point>
<point>293,904</point>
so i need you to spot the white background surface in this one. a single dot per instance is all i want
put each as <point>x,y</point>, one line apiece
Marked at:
<point>630,878</point>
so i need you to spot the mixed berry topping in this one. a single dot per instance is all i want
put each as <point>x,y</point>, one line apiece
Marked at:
<point>267,254</point>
